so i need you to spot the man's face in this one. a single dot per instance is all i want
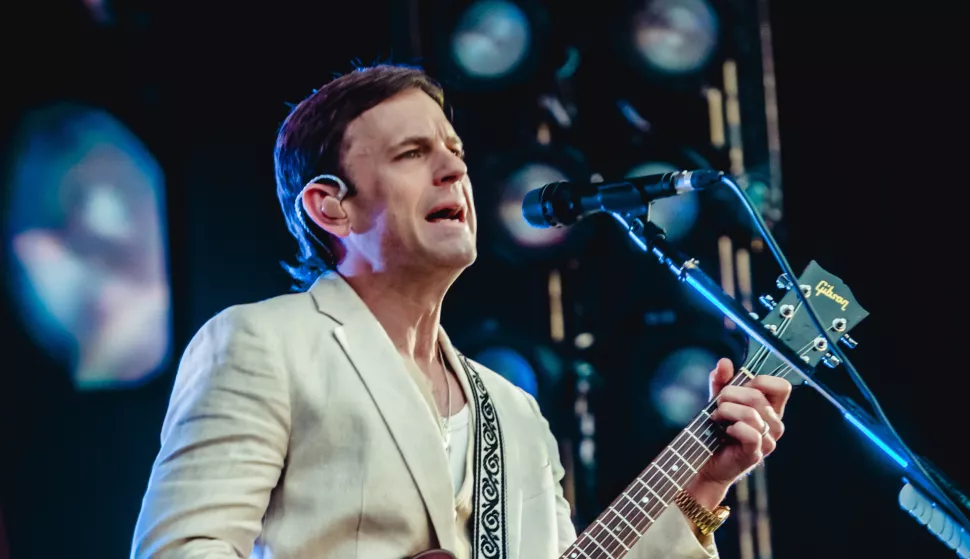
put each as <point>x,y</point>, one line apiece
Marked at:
<point>414,206</point>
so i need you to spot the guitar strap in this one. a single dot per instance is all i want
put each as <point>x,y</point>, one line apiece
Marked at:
<point>489,503</point>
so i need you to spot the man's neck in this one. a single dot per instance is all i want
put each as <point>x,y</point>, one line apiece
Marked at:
<point>409,311</point>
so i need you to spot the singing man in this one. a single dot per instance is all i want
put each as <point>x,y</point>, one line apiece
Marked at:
<point>339,421</point>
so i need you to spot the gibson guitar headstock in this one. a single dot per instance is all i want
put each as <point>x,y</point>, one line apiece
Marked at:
<point>790,322</point>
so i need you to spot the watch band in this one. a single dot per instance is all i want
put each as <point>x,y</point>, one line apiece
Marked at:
<point>705,520</point>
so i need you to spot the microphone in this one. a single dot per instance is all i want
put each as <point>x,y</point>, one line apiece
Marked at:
<point>564,203</point>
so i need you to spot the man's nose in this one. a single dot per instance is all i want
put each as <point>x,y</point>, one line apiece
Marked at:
<point>451,170</point>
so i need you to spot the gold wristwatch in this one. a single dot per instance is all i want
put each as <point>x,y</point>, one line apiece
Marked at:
<point>705,520</point>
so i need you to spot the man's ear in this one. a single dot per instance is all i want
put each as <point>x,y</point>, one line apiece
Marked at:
<point>320,203</point>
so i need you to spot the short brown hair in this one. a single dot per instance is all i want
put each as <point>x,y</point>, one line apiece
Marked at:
<point>311,142</point>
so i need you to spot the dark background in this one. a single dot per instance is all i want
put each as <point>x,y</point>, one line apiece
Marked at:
<point>872,133</point>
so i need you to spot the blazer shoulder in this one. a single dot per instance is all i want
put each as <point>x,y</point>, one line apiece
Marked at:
<point>272,314</point>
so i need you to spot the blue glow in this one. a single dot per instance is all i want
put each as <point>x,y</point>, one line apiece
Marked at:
<point>85,229</point>
<point>885,448</point>
<point>514,189</point>
<point>675,214</point>
<point>492,39</point>
<point>569,67</point>
<point>678,386</point>
<point>726,310</point>
<point>676,36</point>
<point>511,365</point>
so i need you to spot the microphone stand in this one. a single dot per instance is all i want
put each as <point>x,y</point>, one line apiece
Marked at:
<point>951,527</point>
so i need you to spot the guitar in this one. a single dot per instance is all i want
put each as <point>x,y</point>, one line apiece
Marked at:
<point>614,532</point>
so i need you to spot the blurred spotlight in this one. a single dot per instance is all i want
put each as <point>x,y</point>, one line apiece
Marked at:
<point>504,181</point>
<point>491,39</point>
<point>511,365</point>
<point>679,387</point>
<point>528,177</point>
<point>489,44</point>
<point>671,364</point>
<point>676,36</point>
<point>85,229</point>
<point>100,11</point>
<point>529,363</point>
<point>676,214</point>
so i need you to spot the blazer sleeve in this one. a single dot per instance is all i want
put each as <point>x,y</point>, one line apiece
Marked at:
<point>670,537</point>
<point>223,445</point>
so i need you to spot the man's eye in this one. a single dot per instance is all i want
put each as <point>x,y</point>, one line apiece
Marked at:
<point>410,154</point>
<point>459,152</point>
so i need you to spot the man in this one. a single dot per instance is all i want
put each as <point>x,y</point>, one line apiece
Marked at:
<point>340,422</point>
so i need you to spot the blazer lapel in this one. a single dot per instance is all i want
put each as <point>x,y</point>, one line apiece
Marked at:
<point>451,354</point>
<point>399,401</point>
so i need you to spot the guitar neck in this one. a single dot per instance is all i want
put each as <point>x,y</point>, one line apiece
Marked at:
<point>629,516</point>
<point>623,523</point>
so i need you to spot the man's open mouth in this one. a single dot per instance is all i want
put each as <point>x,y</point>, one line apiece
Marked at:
<point>454,213</point>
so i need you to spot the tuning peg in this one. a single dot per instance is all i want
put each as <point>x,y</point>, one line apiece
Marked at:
<point>848,342</point>
<point>768,301</point>
<point>831,361</point>
<point>783,282</point>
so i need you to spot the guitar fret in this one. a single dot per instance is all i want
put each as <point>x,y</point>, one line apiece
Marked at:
<point>697,454</point>
<point>610,532</point>
<point>650,489</point>
<point>685,456</point>
<point>597,544</point>
<point>624,520</point>
<point>625,532</point>
<point>637,507</point>
<point>575,553</point>
<point>684,460</point>
<point>702,430</point>
<point>672,480</point>
<point>695,437</point>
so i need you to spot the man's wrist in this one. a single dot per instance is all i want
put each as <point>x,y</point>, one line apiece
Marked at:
<point>707,492</point>
<point>700,501</point>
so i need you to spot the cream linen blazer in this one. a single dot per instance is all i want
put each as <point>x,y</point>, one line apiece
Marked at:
<point>295,431</point>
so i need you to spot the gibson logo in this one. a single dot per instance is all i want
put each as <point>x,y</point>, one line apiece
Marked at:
<point>825,288</point>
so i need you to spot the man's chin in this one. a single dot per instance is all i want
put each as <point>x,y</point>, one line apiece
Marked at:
<point>453,257</point>
<point>458,260</point>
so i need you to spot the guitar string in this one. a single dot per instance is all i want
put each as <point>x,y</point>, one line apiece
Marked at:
<point>754,365</point>
<point>758,357</point>
<point>631,509</point>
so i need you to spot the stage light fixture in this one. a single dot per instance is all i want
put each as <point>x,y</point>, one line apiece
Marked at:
<point>85,233</point>
<point>100,10</point>
<point>676,37</point>
<point>489,44</point>
<point>505,179</point>
<point>676,214</point>
<point>524,360</point>
<point>528,177</point>
<point>672,363</point>
<point>512,365</point>
<point>491,39</point>
<point>679,387</point>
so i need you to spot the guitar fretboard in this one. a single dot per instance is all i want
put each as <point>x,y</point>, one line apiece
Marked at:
<point>620,526</point>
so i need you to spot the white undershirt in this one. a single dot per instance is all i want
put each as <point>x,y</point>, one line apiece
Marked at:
<point>458,430</point>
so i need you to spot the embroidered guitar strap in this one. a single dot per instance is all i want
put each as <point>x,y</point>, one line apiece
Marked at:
<point>489,516</point>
